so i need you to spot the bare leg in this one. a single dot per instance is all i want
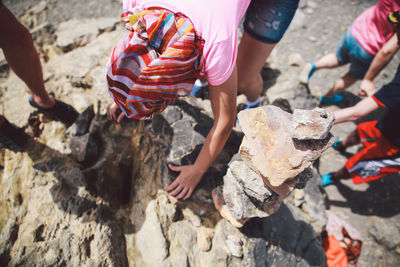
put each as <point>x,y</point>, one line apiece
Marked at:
<point>18,48</point>
<point>328,61</point>
<point>251,58</point>
<point>341,174</point>
<point>352,139</point>
<point>341,84</point>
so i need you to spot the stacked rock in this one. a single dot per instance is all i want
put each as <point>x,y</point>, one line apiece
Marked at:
<point>276,154</point>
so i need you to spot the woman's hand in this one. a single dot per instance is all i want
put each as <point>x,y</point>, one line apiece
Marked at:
<point>186,182</point>
<point>114,113</point>
<point>367,88</point>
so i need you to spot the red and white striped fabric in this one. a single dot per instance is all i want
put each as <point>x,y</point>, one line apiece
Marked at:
<point>157,62</point>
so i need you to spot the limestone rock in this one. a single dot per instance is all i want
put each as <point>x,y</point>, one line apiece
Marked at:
<point>234,245</point>
<point>295,59</point>
<point>269,148</point>
<point>77,63</point>
<point>82,123</point>
<point>83,147</point>
<point>312,124</point>
<point>240,204</point>
<point>204,237</point>
<point>73,33</point>
<point>151,227</point>
<point>4,68</point>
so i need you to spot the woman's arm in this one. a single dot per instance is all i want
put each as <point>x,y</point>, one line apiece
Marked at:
<point>223,102</point>
<point>381,59</point>
<point>357,111</point>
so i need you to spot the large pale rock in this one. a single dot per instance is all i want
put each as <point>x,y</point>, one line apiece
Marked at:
<point>152,227</point>
<point>269,148</point>
<point>312,124</point>
<point>245,193</point>
<point>74,33</point>
<point>77,63</point>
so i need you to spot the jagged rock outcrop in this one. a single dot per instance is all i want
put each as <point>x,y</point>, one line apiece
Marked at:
<point>278,149</point>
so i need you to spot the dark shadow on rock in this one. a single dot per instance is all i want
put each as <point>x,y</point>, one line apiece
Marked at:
<point>70,178</point>
<point>382,198</point>
<point>290,236</point>
<point>311,145</point>
<point>270,77</point>
<point>204,123</point>
<point>303,98</point>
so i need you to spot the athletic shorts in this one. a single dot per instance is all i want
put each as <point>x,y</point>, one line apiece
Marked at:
<point>267,20</point>
<point>350,51</point>
<point>378,158</point>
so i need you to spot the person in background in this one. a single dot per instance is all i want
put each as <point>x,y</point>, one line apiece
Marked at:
<point>265,23</point>
<point>380,139</point>
<point>368,45</point>
<point>17,45</point>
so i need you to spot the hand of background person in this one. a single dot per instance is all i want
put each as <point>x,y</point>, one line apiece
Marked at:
<point>367,88</point>
<point>186,182</point>
<point>113,113</point>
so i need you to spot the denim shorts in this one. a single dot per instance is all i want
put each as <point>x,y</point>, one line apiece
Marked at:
<point>267,20</point>
<point>350,51</point>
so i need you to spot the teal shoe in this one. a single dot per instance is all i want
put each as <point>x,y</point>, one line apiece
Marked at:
<point>306,74</point>
<point>326,179</point>
<point>335,99</point>
<point>252,106</point>
<point>338,145</point>
<point>311,71</point>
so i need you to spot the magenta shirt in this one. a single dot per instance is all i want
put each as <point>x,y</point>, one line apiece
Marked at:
<point>217,22</point>
<point>372,28</point>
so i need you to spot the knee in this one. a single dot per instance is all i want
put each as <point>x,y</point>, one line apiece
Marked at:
<point>247,84</point>
<point>339,85</point>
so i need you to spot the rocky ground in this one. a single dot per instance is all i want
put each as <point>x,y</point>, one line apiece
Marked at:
<point>108,208</point>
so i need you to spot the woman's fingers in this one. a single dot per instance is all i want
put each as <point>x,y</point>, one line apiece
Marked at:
<point>183,193</point>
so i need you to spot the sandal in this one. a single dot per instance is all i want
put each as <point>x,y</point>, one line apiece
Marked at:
<point>333,100</point>
<point>338,145</point>
<point>326,179</point>
<point>60,111</point>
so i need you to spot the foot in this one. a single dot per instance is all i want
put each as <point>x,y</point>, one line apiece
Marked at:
<point>307,72</point>
<point>219,204</point>
<point>60,111</point>
<point>335,99</point>
<point>326,179</point>
<point>338,145</point>
<point>198,87</point>
<point>12,137</point>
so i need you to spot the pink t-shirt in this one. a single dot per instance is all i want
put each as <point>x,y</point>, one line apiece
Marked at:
<point>372,28</point>
<point>217,22</point>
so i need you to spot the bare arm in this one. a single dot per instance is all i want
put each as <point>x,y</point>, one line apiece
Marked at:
<point>223,102</point>
<point>381,59</point>
<point>357,111</point>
